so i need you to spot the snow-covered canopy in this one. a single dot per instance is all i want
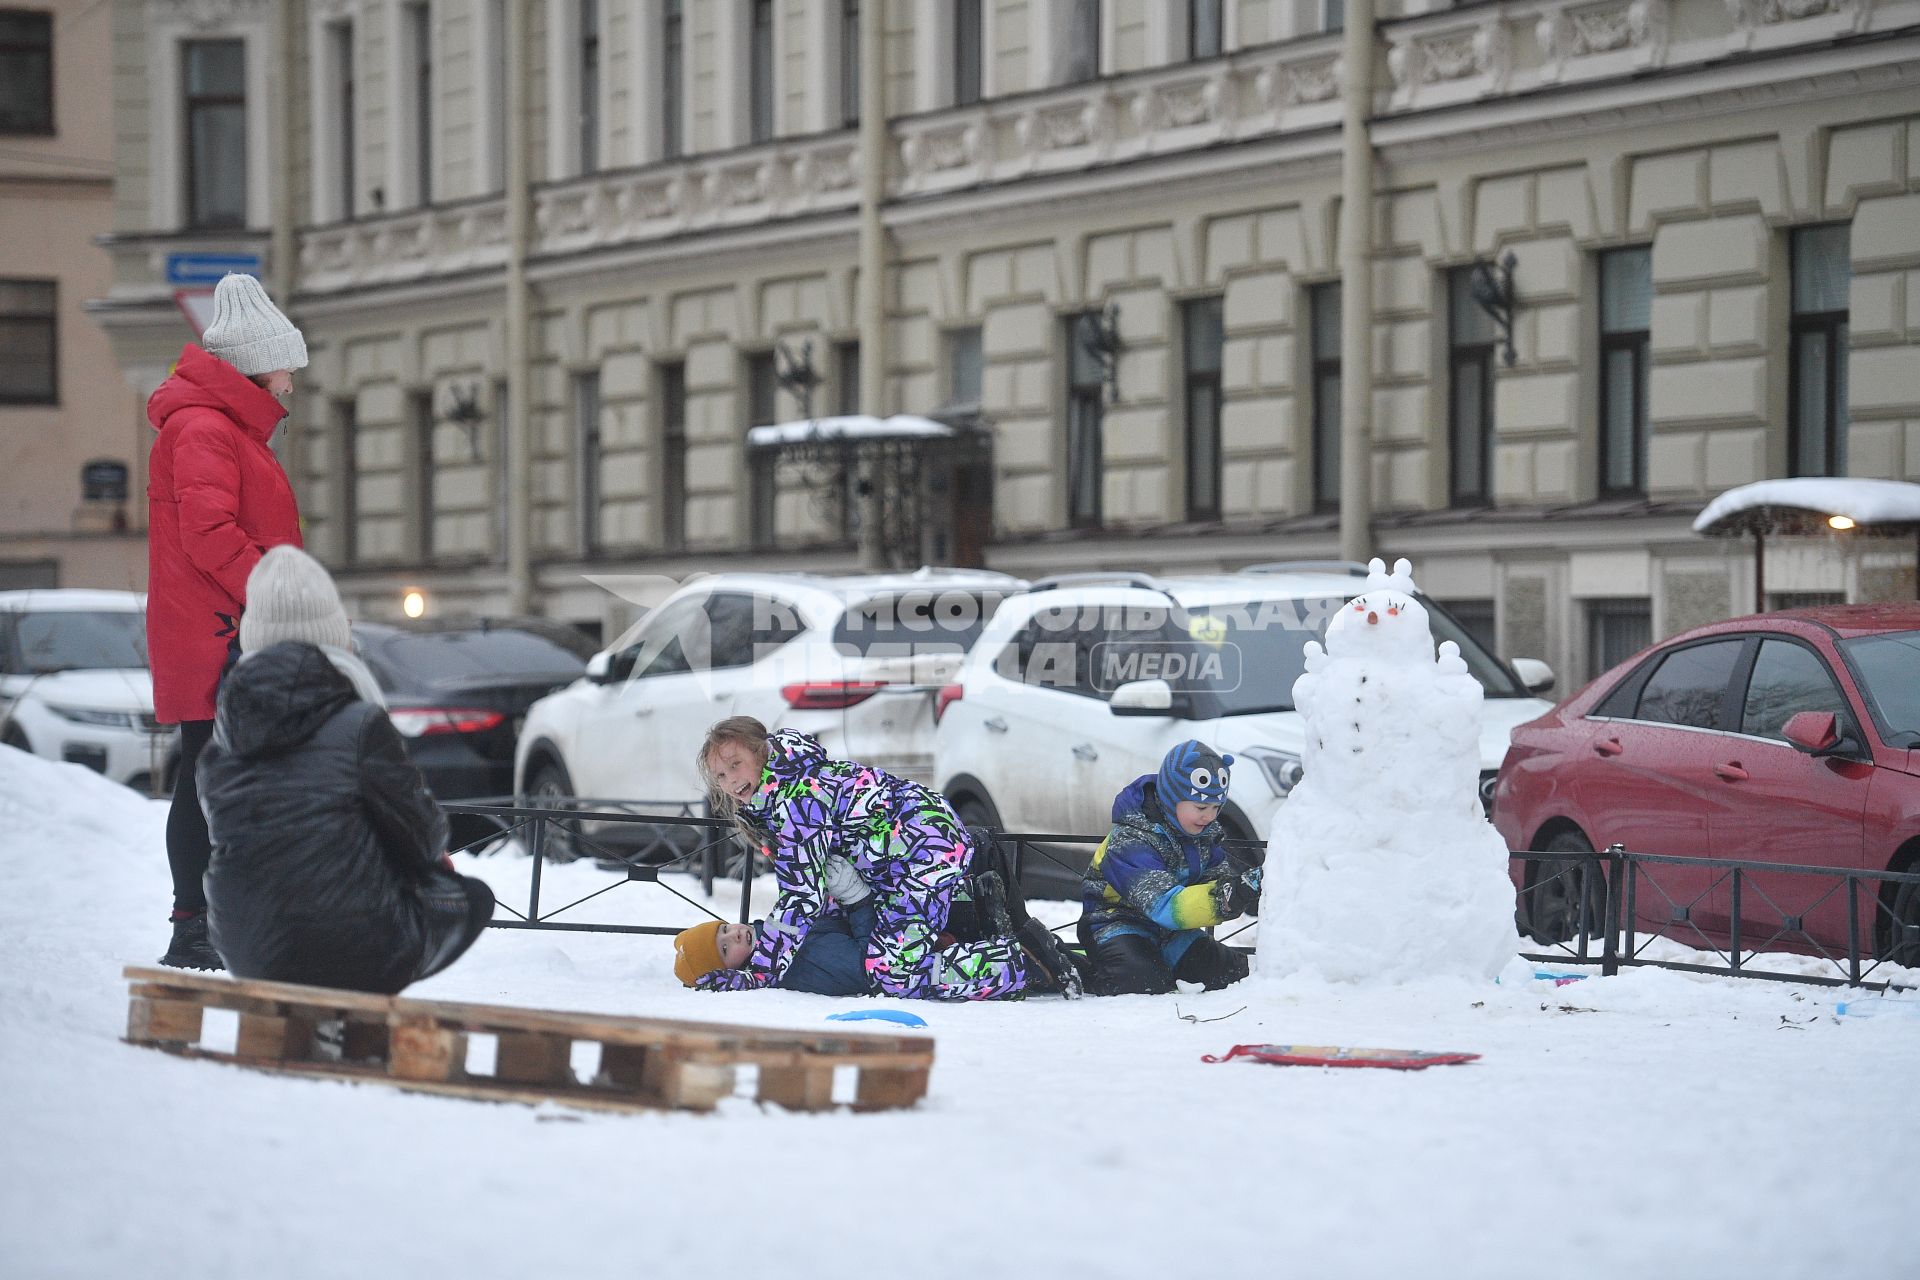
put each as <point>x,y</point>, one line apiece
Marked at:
<point>851,426</point>
<point>1766,503</point>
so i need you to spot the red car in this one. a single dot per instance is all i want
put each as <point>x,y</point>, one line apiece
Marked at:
<point>1787,737</point>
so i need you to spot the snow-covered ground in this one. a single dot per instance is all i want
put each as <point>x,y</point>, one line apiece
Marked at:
<point>1649,1124</point>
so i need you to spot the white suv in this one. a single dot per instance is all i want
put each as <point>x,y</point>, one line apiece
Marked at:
<point>1080,685</point>
<point>74,684</point>
<point>856,661</point>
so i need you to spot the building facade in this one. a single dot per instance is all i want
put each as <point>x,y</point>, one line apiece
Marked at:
<point>71,435</point>
<point>1111,229</point>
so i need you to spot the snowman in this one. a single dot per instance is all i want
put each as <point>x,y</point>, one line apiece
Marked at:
<point>1381,864</point>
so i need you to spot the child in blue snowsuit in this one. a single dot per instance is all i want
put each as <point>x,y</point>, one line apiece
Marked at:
<point>1161,879</point>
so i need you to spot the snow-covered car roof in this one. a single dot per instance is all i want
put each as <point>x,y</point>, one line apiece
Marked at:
<point>850,426</point>
<point>1861,500</point>
<point>71,600</point>
<point>1202,589</point>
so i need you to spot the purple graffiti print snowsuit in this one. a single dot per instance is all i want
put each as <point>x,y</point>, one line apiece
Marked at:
<point>906,844</point>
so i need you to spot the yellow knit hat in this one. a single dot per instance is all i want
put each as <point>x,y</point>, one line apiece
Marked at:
<point>696,952</point>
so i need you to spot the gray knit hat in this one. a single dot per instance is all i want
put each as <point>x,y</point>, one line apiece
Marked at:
<point>290,597</point>
<point>248,331</point>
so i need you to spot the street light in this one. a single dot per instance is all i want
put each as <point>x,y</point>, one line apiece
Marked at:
<point>1841,523</point>
<point>414,603</point>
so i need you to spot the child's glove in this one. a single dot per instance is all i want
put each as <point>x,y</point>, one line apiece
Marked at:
<point>1239,893</point>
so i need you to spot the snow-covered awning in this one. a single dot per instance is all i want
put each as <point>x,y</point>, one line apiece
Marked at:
<point>1787,506</point>
<point>851,426</point>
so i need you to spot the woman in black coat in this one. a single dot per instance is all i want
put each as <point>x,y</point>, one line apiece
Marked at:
<point>328,862</point>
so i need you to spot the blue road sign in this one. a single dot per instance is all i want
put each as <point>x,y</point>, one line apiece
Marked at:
<point>207,268</point>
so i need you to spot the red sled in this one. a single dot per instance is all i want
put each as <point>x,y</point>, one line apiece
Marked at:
<point>1329,1055</point>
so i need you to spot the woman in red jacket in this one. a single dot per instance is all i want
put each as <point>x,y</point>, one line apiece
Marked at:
<point>216,500</point>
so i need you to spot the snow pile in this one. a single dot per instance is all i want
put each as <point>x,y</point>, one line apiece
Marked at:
<point>1381,865</point>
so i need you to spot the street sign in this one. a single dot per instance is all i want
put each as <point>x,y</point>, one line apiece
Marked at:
<point>207,268</point>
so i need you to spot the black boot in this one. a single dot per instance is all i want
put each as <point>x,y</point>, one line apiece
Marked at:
<point>190,948</point>
<point>990,902</point>
<point>1055,964</point>
<point>990,858</point>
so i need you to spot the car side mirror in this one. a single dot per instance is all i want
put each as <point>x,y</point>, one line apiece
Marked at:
<point>600,668</point>
<point>1142,698</point>
<point>1536,675</point>
<point>1815,732</point>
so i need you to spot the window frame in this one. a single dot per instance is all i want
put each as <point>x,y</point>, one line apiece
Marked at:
<point>588,405</point>
<point>420,45</point>
<point>1831,329</point>
<point>670,377</point>
<point>763,124</point>
<point>969,37</point>
<point>1194,10</point>
<point>1635,344</point>
<point>51,320</point>
<point>346,424</point>
<point>1844,717</point>
<point>846,376</point>
<point>587,106</point>
<point>190,104</point>
<point>1084,427</point>
<point>420,410</point>
<point>673,69</point>
<point>1476,359</point>
<point>343,68</point>
<point>1599,608</point>
<point>1324,371</point>
<point>849,69</point>
<point>1198,383</point>
<point>761,373</point>
<point>34,128</point>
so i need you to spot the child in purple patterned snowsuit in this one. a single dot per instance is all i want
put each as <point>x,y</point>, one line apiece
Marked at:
<point>902,839</point>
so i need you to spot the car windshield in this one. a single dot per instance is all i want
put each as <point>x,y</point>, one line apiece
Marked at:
<point>1888,668</point>
<point>1270,637</point>
<point>410,660</point>
<point>77,640</point>
<point>930,620</point>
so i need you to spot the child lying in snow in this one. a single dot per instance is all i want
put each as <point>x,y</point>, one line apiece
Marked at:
<point>830,962</point>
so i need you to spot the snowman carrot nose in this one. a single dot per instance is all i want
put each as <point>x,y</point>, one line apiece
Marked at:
<point>1373,618</point>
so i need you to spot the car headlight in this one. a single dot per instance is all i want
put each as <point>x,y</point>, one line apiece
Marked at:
<point>1281,769</point>
<point>82,715</point>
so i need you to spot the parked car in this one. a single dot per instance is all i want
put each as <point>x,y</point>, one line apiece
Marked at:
<point>75,686</point>
<point>458,691</point>
<point>857,661</point>
<point>1788,737</point>
<point>1081,684</point>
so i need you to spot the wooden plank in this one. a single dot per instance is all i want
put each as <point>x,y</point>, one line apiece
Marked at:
<point>418,1050</point>
<point>672,1081</point>
<point>885,1089</point>
<point>623,1066</point>
<point>798,1088</point>
<point>152,1021</point>
<point>327,997</point>
<point>526,1058</point>
<point>789,1059</point>
<point>264,1036</point>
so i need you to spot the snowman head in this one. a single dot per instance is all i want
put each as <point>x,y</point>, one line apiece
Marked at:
<point>1386,622</point>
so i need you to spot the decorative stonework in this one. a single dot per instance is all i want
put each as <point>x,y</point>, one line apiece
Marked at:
<point>1766,24</point>
<point>938,150</point>
<point>1636,29</point>
<point>1480,53</point>
<point>206,15</point>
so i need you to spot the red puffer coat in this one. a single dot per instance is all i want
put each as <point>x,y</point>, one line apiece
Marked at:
<point>216,500</point>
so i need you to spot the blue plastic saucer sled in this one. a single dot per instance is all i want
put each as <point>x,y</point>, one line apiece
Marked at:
<point>900,1016</point>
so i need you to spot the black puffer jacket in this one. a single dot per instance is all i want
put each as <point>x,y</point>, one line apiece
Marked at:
<point>326,843</point>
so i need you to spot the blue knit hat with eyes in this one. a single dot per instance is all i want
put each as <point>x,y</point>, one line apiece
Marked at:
<point>1193,771</point>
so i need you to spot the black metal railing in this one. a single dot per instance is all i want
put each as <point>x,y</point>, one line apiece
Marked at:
<point>1583,907</point>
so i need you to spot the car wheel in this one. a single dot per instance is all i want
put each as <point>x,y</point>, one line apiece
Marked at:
<point>976,811</point>
<point>1550,905</point>
<point>1903,940</point>
<point>551,788</point>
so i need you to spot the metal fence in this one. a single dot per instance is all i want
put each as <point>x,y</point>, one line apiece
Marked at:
<point>1601,918</point>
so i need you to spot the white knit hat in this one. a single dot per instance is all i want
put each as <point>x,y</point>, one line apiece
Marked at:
<point>248,331</point>
<point>291,597</point>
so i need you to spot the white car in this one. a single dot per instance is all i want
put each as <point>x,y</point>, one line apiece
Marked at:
<point>74,684</point>
<point>1080,685</point>
<point>856,661</point>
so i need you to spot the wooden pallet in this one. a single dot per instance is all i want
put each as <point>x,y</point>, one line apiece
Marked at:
<point>645,1063</point>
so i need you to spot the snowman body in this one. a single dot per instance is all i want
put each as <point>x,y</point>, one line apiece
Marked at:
<point>1381,865</point>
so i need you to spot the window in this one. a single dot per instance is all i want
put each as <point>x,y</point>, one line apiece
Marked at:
<point>1689,687</point>
<point>849,62</point>
<point>660,641</point>
<point>967,52</point>
<point>673,455</point>
<point>1205,28</point>
<point>340,59</point>
<point>216,118</point>
<point>1788,679</point>
<point>1470,407</point>
<point>1626,305</point>
<point>965,368</point>
<point>586,426</point>
<point>672,65</point>
<point>589,85</point>
<point>760,72</point>
<point>846,377</point>
<point>496,71</point>
<point>1616,630</point>
<point>29,342</point>
<point>1202,341</point>
<point>1085,416</point>
<point>762,410</point>
<point>1323,306</point>
<point>1333,15</point>
<point>746,628</point>
<point>502,477</point>
<point>1817,369</point>
<point>422,415</point>
<point>346,425</point>
<point>419,18</point>
<point>26,72</point>
<point>1083,41</point>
